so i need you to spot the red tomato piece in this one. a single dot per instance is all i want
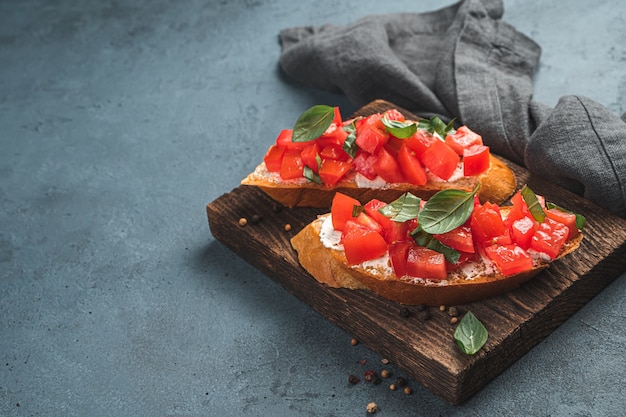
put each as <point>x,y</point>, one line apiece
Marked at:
<point>398,254</point>
<point>509,259</point>
<point>367,221</point>
<point>341,210</point>
<point>334,152</point>
<point>364,164</point>
<point>387,167</point>
<point>332,171</point>
<point>284,140</point>
<point>568,219</point>
<point>486,222</point>
<point>411,167</point>
<point>361,244</point>
<point>394,114</point>
<point>522,230</point>
<point>426,263</point>
<point>463,258</point>
<point>372,208</point>
<point>274,158</point>
<point>440,159</point>
<point>309,156</point>
<point>550,237</point>
<point>460,239</point>
<point>475,160</point>
<point>420,141</point>
<point>370,138</point>
<point>291,166</point>
<point>463,139</point>
<point>399,231</point>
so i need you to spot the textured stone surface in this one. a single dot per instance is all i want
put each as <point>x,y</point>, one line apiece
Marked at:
<point>121,120</point>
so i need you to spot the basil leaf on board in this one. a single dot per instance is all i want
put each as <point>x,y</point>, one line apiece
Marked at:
<point>313,123</point>
<point>405,208</point>
<point>349,145</point>
<point>401,130</point>
<point>422,238</point>
<point>580,219</point>
<point>446,210</point>
<point>310,175</point>
<point>470,334</point>
<point>533,204</point>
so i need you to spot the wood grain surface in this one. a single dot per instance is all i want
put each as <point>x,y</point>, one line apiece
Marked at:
<point>425,349</point>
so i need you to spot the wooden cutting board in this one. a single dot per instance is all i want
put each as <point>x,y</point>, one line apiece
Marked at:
<point>425,349</point>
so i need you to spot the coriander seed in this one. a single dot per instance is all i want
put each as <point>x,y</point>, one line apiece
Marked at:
<point>287,227</point>
<point>407,390</point>
<point>243,221</point>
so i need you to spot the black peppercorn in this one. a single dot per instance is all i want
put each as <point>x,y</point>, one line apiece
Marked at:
<point>405,312</point>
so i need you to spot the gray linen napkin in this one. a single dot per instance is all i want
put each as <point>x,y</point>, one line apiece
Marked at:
<point>463,61</point>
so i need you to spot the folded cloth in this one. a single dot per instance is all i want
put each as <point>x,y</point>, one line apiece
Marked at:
<point>464,62</point>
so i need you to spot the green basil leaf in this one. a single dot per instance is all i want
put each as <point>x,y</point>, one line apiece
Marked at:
<point>470,334</point>
<point>436,125</point>
<point>405,208</point>
<point>349,145</point>
<point>356,210</point>
<point>446,210</point>
<point>533,204</point>
<point>401,130</point>
<point>310,175</point>
<point>313,123</point>
<point>580,219</point>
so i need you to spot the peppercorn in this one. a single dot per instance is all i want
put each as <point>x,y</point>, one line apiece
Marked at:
<point>392,387</point>
<point>255,219</point>
<point>354,342</point>
<point>353,379</point>
<point>453,320</point>
<point>400,381</point>
<point>421,307</point>
<point>405,312</point>
<point>424,315</point>
<point>385,373</point>
<point>453,311</point>
<point>287,227</point>
<point>372,408</point>
<point>243,221</point>
<point>442,308</point>
<point>407,390</point>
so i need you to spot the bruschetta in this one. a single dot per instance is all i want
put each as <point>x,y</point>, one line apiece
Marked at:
<point>450,250</point>
<point>383,156</point>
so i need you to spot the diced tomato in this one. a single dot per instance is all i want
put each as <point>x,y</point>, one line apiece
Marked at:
<point>284,140</point>
<point>387,167</point>
<point>372,208</point>
<point>486,222</point>
<point>334,152</point>
<point>394,114</point>
<point>398,231</point>
<point>367,221</point>
<point>426,263</point>
<point>394,144</point>
<point>370,138</point>
<point>274,158</point>
<point>334,134</point>
<point>332,171</point>
<point>341,210</point>
<point>509,259</point>
<point>522,230</point>
<point>309,156</point>
<point>411,167</point>
<point>568,219</point>
<point>475,160</point>
<point>420,141</point>
<point>364,164</point>
<point>361,244</point>
<point>550,237</point>
<point>463,139</point>
<point>398,254</point>
<point>519,210</point>
<point>291,166</point>
<point>440,159</point>
<point>459,238</point>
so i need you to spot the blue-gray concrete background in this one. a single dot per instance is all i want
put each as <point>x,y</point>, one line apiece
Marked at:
<point>119,121</point>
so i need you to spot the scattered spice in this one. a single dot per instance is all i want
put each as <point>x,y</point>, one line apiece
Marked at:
<point>353,379</point>
<point>407,390</point>
<point>392,387</point>
<point>442,308</point>
<point>243,221</point>
<point>353,341</point>
<point>453,320</point>
<point>384,361</point>
<point>385,373</point>
<point>372,408</point>
<point>453,311</point>
<point>287,227</point>
<point>255,219</point>
<point>421,307</point>
<point>401,382</point>
<point>405,312</point>
<point>363,361</point>
<point>370,376</point>
<point>424,314</point>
